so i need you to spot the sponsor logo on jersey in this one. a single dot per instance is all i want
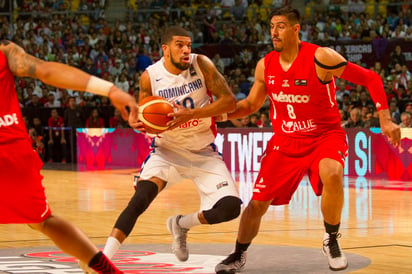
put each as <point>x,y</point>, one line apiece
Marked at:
<point>271,80</point>
<point>294,126</point>
<point>192,71</point>
<point>291,98</point>
<point>222,184</point>
<point>8,120</point>
<point>300,82</point>
<point>191,123</point>
<point>285,84</point>
<point>181,90</point>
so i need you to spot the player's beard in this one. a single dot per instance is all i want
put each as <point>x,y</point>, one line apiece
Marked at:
<point>277,49</point>
<point>179,65</point>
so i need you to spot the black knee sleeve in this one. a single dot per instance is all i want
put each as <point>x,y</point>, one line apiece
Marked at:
<point>145,193</point>
<point>224,210</point>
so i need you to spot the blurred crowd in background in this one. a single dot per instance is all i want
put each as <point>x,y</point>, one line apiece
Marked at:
<point>80,34</point>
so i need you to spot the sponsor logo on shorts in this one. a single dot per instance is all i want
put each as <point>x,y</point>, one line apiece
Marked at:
<point>260,184</point>
<point>222,184</point>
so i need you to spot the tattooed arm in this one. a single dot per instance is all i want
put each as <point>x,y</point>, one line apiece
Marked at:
<point>55,74</point>
<point>216,84</point>
<point>60,75</point>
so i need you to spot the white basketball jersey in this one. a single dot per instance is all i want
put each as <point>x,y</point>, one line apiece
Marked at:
<point>187,89</point>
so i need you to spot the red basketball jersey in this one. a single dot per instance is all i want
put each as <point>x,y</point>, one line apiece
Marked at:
<point>12,126</point>
<point>300,104</point>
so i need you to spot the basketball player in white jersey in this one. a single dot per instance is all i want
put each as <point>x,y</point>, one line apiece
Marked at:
<point>186,150</point>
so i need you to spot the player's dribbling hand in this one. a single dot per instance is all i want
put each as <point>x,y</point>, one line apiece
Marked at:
<point>180,116</point>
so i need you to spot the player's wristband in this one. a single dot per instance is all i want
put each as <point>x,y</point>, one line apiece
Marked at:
<point>224,117</point>
<point>98,86</point>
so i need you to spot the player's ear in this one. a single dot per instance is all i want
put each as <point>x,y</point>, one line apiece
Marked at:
<point>164,49</point>
<point>296,28</point>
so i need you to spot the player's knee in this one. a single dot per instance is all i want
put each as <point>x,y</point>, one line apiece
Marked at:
<point>226,209</point>
<point>146,192</point>
<point>257,208</point>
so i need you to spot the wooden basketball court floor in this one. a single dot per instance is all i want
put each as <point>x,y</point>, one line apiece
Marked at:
<point>376,220</point>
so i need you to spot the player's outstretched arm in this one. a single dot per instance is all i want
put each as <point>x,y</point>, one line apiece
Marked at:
<point>61,75</point>
<point>329,63</point>
<point>257,95</point>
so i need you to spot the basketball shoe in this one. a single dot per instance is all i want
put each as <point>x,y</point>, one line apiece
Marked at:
<point>232,264</point>
<point>179,234</point>
<point>337,260</point>
<point>86,269</point>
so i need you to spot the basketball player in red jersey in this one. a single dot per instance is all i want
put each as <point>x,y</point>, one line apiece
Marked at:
<point>22,194</point>
<point>299,79</point>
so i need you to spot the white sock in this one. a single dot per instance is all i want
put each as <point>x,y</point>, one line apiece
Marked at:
<point>189,221</point>
<point>111,247</point>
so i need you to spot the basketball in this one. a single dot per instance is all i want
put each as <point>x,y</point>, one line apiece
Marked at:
<point>153,112</point>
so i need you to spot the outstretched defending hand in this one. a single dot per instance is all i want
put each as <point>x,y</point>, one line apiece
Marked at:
<point>121,99</point>
<point>134,121</point>
<point>389,128</point>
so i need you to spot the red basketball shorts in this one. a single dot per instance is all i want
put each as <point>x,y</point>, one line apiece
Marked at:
<point>287,160</point>
<point>22,194</point>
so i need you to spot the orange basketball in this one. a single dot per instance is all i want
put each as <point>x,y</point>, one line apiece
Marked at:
<point>153,112</point>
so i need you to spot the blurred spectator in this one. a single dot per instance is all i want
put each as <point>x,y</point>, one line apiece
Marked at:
<point>51,102</point>
<point>94,120</point>
<point>404,76</point>
<point>142,60</point>
<point>372,119</point>
<point>34,102</point>
<point>397,57</point>
<point>73,115</point>
<point>220,65</point>
<point>253,119</point>
<point>364,99</point>
<point>208,26</point>
<point>56,145</point>
<point>89,67</point>
<point>394,110</point>
<point>117,68</point>
<point>244,84</point>
<point>116,121</point>
<point>354,120</point>
<point>408,107</point>
<point>238,11</point>
<point>122,82</point>
<point>37,142</point>
<point>343,118</point>
<point>406,120</point>
<point>264,120</point>
<point>342,89</point>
